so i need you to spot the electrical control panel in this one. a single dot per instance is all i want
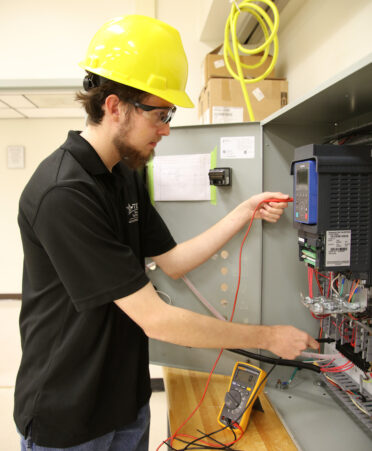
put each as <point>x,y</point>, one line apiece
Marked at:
<point>246,384</point>
<point>332,188</point>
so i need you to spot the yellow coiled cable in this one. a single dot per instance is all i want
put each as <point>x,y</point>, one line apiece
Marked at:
<point>269,28</point>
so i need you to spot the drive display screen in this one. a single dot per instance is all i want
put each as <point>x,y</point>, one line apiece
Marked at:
<point>302,176</point>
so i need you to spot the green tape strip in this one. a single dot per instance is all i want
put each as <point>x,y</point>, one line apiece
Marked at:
<point>213,165</point>
<point>150,180</point>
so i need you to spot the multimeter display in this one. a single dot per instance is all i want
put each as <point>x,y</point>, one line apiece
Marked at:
<point>244,377</point>
<point>305,192</point>
<point>246,383</point>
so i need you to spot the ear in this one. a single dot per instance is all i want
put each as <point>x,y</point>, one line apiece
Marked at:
<point>113,107</point>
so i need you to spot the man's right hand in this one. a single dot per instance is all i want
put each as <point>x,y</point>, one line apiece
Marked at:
<point>288,342</point>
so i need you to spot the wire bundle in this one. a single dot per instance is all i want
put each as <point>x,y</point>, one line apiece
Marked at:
<point>269,28</point>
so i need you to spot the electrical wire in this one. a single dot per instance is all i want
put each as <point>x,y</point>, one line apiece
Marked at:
<point>359,406</point>
<point>277,361</point>
<point>352,290</point>
<point>351,395</point>
<point>269,29</point>
<point>332,282</point>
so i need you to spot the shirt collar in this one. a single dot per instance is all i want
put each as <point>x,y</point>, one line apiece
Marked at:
<point>84,153</point>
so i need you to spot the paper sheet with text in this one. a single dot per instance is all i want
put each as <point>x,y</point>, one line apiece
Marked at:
<point>182,177</point>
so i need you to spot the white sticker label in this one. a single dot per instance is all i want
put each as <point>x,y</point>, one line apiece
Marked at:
<point>338,246</point>
<point>226,114</point>
<point>237,147</point>
<point>258,94</point>
<point>219,63</point>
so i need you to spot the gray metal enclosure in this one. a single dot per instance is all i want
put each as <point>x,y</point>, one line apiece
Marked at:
<point>187,219</point>
<point>272,277</point>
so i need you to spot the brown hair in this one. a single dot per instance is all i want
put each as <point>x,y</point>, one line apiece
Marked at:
<point>94,97</point>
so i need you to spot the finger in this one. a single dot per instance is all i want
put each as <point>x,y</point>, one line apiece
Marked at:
<point>279,195</point>
<point>273,207</point>
<point>278,205</point>
<point>313,343</point>
<point>270,217</point>
<point>271,213</point>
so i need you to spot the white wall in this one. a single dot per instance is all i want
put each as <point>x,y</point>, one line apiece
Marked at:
<point>319,39</point>
<point>47,39</point>
<point>184,16</point>
<point>40,137</point>
<point>44,39</point>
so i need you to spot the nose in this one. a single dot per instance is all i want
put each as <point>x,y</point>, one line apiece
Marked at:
<point>164,130</point>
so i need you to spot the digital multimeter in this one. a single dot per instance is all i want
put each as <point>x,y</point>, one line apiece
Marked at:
<point>246,384</point>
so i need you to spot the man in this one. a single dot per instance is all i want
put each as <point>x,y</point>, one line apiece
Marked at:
<point>87,224</point>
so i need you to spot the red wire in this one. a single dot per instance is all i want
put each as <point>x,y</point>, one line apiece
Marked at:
<point>329,285</point>
<point>310,273</point>
<point>317,281</point>
<point>172,437</point>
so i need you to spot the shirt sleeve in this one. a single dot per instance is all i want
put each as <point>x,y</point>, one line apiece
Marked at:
<point>92,264</point>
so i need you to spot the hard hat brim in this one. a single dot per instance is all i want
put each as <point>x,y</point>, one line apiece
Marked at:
<point>179,98</point>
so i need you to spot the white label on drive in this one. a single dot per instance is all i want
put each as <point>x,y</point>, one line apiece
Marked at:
<point>338,247</point>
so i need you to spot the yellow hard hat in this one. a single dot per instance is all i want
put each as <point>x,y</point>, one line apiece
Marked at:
<point>141,52</point>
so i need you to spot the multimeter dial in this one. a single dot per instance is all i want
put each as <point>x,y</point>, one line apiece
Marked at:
<point>233,399</point>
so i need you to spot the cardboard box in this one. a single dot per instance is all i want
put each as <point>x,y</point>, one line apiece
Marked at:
<point>214,66</point>
<point>221,100</point>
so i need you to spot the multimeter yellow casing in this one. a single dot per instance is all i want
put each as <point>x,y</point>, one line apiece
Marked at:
<point>243,391</point>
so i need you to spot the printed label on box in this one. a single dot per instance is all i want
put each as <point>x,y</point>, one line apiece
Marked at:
<point>258,94</point>
<point>338,246</point>
<point>219,63</point>
<point>237,147</point>
<point>226,114</point>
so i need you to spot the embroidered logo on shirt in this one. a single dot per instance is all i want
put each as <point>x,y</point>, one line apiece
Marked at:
<point>132,212</point>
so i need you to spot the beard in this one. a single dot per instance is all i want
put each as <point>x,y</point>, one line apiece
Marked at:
<point>131,156</point>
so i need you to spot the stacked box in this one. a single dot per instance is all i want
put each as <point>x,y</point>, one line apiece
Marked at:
<point>221,100</point>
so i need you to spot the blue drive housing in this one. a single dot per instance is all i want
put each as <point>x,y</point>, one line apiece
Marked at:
<point>305,191</point>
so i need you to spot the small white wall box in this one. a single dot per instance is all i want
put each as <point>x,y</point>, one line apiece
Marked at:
<point>16,157</point>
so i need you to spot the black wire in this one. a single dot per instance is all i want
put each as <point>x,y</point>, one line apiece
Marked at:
<point>276,361</point>
<point>215,440</point>
<point>209,436</point>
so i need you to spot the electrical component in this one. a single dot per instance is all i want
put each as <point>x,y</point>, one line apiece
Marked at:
<point>220,176</point>
<point>333,209</point>
<point>246,384</point>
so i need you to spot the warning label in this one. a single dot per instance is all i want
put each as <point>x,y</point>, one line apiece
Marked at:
<point>338,246</point>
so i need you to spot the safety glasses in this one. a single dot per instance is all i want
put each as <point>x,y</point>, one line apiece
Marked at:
<point>158,115</point>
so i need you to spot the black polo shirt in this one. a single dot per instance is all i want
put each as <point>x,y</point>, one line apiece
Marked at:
<point>85,233</point>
